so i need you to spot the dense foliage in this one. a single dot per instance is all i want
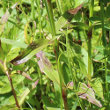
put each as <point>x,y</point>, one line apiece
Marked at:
<point>54,55</point>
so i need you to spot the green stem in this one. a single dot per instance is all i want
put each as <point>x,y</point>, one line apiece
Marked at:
<point>48,5</point>
<point>64,95</point>
<point>106,76</point>
<point>102,20</point>
<point>89,59</point>
<point>104,41</point>
<point>58,2</point>
<point>73,74</point>
<point>91,10</point>
<point>39,9</point>
<point>32,10</point>
<point>91,7</point>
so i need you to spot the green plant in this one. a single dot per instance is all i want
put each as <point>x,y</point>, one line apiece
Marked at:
<point>54,54</point>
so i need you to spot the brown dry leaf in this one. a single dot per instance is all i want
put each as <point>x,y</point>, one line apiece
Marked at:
<point>75,10</point>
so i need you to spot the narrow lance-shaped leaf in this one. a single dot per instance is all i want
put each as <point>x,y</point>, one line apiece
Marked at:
<point>23,96</point>
<point>47,68</point>
<point>4,18</point>
<point>3,21</point>
<point>24,74</point>
<point>30,51</point>
<point>35,84</point>
<point>13,42</point>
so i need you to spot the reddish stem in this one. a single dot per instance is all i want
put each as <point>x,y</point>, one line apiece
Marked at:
<point>13,90</point>
<point>64,95</point>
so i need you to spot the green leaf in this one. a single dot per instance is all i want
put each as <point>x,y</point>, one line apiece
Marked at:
<point>12,54</point>
<point>81,56</point>
<point>87,93</point>
<point>65,73</point>
<point>108,78</point>
<point>3,21</point>
<point>66,5</point>
<point>85,60</point>
<point>23,96</point>
<point>79,2</point>
<point>53,108</point>
<point>97,86</point>
<point>8,107</point>
<point>63,69</point>
<point>1,66</point>
<point>49,9</point>
<point>30,51</point>
<point>58,93</point>
<point>13,42</point>
<point>60,23</point>
<point>82,66</point>
<point>47,68</point>
<point>5,85</point>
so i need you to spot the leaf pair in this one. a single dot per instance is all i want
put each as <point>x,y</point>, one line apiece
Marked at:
<point>88,94</point>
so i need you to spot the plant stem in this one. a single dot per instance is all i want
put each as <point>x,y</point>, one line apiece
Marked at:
<point>91,10</point>
<point>91,7</point>
<point>52,24</point>
<point>102,20</point>
<point>64,95</point>
<point>106,76</point>
<point>13,90</point>
<point>48,5</point>
<point>58,2</point>
<point>39,9</point>
<point>104,42</point>
<point>32,10</point>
